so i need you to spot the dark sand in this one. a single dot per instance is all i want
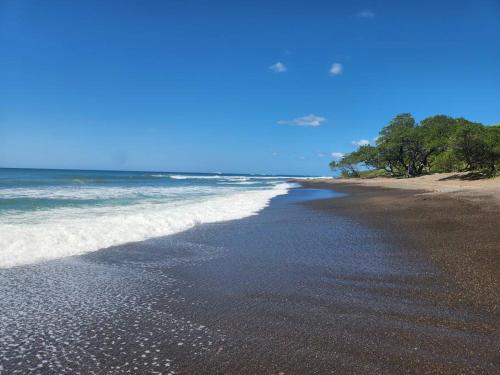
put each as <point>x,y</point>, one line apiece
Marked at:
<point>332,286</point>
<point>461,236</point>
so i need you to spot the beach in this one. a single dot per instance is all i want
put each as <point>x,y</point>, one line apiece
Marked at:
<point>251,188</point>
<point>454,223</point>
<point>320,281</point>
<point>464,186</point>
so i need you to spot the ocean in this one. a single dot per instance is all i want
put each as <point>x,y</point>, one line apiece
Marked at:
<point>50,214</point>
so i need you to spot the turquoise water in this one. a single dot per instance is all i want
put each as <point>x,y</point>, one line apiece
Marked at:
<point>47,214</point>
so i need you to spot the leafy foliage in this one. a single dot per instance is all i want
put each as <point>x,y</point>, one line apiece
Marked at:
<point>437,144</point>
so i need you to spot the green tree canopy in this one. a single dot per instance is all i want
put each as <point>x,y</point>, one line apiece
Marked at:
<point>437,144</point>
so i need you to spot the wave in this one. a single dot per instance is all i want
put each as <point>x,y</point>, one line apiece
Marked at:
<point>241,178</point>
<point>97,192</point>
<point>205,177</point>
<point>238,183</point>
<point>227,177</point>
<point>69,231</point>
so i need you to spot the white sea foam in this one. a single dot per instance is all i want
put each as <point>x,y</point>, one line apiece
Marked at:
<point>66,231</point>
<point>238,183</point>
<point>226,177</point>
<point>212,177</point>
<point>239,178</point>
<point>99,192</point>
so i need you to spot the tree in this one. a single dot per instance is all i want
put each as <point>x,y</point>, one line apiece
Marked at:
<point>349,164</point>
<point>469,144</point>
<point>492,154</point>
<point>405,147</point>
<point>392,141</point>
<point>437,144</point>
<point>437,133</point>
<point>478,146</point>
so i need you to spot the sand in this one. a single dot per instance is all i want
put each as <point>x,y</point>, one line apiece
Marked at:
<point>317,283</point>
<point>454,224</point>
<point>456,184</point>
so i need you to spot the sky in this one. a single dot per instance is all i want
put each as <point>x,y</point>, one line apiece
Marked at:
<point>276,87</point>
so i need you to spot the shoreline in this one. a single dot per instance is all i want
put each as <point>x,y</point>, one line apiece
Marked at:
<point>455,229</point>
<point>458,185</point>
<point>307,286</point>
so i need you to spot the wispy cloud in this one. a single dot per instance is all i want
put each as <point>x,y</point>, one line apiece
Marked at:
<point>337,155</point>
<point>336,69</point>
<point>366,13</point>
<point>309,120</point>
<point>279,67</point>
<point>361,142</point>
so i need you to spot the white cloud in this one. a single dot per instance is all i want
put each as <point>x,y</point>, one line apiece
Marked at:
<point>336,69</point>
<point>309,120</point>
<point>366,13</point>
<point>278,67</point>
<point>361,142</point>
<point>337,155</point>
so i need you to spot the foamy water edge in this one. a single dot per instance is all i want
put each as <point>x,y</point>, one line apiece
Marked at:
<point>68,233</point>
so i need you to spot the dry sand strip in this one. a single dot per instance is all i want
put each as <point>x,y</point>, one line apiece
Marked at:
<point>455,185</point>
<point>455,224</point>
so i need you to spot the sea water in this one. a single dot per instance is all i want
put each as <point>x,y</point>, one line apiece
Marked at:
<point>49,214</point>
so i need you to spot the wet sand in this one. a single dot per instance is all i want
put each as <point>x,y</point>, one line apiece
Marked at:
<point>458,232</point>
<point>311,285</point>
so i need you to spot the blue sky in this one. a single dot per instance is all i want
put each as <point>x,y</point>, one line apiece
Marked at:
<point>233,86</point>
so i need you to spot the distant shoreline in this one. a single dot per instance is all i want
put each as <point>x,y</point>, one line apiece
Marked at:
<point>455,184</point>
